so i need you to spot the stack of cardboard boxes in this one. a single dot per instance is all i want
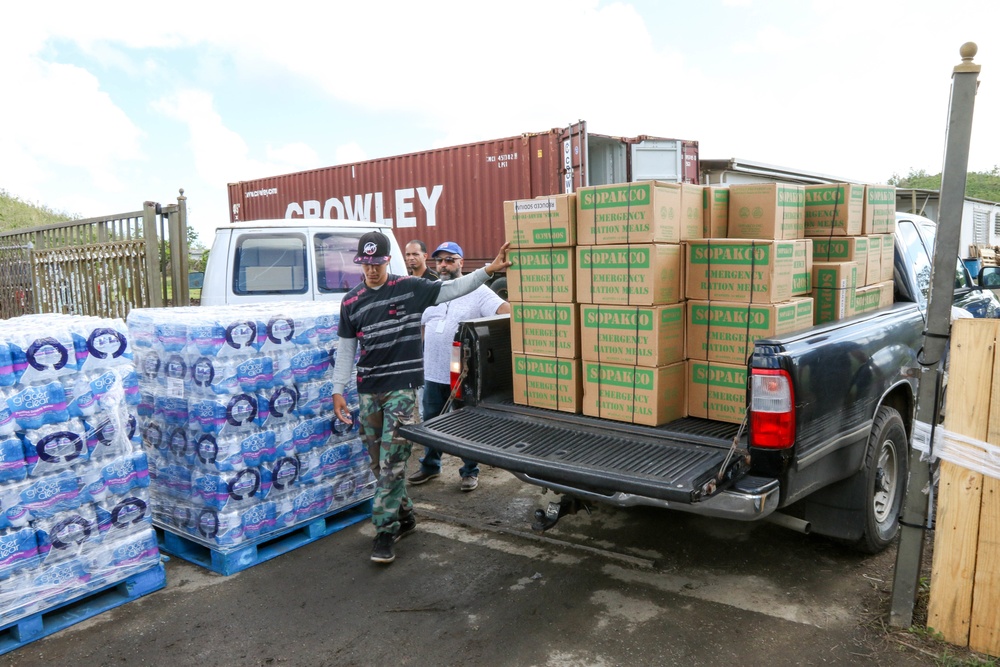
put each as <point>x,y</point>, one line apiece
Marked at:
<point>545,334</point>
<point>641,302</point>
<point>630,286</point>
<point>750,281</point>
<point>851,227</point>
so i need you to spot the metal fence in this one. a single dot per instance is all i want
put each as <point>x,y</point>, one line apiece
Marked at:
<point>102,266</point>
<point>16,283</point>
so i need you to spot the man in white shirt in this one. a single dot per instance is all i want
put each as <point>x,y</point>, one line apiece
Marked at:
<point>439,324</point>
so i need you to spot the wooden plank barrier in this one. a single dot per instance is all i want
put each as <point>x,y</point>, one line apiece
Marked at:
<point>965,573</point>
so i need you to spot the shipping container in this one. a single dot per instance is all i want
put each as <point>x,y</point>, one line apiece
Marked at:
<point>457,193</point>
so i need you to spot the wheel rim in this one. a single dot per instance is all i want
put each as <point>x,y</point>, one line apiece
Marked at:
<point>886,478</point>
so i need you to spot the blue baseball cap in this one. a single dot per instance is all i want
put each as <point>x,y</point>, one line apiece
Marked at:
<point>449,246</point>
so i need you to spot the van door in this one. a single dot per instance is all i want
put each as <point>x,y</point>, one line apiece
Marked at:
<point>657,160</point>
<point>271,265</point>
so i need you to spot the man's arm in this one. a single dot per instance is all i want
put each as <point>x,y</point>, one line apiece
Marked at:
<point>346,349</point>
<point>453,289</point>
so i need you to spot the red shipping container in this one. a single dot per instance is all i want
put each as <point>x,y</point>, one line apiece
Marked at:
<point>457,193</point>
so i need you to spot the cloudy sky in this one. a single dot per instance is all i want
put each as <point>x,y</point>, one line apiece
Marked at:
<point>106,105</point>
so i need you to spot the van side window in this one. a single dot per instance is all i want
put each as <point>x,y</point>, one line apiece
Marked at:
<point>270,264</point>
<point>335,267</point>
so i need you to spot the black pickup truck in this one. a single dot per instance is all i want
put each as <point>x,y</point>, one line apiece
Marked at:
<point>830,411</point>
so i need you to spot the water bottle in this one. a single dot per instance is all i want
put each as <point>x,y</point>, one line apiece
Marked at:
<point>55,447</point>
<point>223,529</point>
<point>18,551</point>
<point>258,448</point>
<point>65,535</point>
<point>36,405</point>
<point>13,467</point>
<point>240,337</point>
<point>258,520</point>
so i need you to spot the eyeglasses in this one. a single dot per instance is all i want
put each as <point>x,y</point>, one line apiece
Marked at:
<point>446,260</point>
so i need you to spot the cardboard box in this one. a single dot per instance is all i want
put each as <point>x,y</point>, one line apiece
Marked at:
<point>766,211</point>
<point>692,210</point>
<point>547,382</point>
<point>802,266</point>
<point>844,249</point>
<point>716,391</point>
<point>834,286</point>
<point>547,329</point>
<point>643,212</point>
<point>716,212</point>
<point>726,331</point>
<point>634,275</point>
<point>542,222</point>
<point>727,270</point>
<point>873,272</point>
<point>888,257</point>
<point>873,297</point>
<point>880,210</point>
<point>634,394</point>
<point>804,312</point>
<point>636,335</point>
<point>543,275</point>
<point>834,209</point>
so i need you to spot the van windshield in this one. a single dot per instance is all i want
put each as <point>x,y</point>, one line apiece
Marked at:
<point>335,267</point>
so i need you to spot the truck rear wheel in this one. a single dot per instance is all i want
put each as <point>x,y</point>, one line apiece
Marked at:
<point>884,480</point>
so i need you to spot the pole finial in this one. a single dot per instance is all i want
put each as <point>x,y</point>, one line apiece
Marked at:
<point>968,51</point>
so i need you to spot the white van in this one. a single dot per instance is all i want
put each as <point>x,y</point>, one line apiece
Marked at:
<point>288,260</point>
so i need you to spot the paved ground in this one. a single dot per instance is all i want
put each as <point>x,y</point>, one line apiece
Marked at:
<point>473,586</point>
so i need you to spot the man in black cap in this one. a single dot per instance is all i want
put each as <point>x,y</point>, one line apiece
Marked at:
<point>382,316</point>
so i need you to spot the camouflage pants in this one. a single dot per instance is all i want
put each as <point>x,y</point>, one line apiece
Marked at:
<point>381,416</point>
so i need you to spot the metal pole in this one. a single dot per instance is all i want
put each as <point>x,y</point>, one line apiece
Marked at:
<point>956,163</point>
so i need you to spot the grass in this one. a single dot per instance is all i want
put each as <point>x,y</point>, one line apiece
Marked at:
<point>16,213</point>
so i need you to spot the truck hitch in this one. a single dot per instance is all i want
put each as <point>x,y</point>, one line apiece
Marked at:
<point>546,518</point>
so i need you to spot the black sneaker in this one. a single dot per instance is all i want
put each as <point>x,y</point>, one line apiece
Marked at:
<point>420,477</point>
<point>407,524</point>
<point>382,550</point>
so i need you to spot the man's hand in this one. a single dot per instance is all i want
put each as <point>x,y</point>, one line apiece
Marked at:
<point>501,263</point>
<point>340,409</point>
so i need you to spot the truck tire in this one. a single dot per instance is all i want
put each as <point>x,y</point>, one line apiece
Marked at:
<point>500,287</point>
<point>884,481</point>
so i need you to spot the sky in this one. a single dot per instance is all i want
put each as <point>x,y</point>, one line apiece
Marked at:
<point>107,105</point>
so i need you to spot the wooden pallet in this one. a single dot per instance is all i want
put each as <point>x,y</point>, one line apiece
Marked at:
<point>44,623</point>
<point>265,548</point>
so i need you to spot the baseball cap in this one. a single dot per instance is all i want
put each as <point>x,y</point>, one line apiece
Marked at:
<point>449,246</point>
<point>373,248</point>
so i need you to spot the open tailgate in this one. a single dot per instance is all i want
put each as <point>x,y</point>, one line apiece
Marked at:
<point>679,463</point>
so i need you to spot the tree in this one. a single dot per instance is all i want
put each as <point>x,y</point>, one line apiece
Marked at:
<point>978,185</point>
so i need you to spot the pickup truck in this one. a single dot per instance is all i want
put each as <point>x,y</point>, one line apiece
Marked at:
<point>824,447</point>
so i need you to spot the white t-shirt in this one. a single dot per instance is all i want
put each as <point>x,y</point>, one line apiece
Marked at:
<point>440,324</point>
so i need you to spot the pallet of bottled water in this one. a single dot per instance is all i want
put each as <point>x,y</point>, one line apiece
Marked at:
<point>75,513</point>
<point>236,415</point>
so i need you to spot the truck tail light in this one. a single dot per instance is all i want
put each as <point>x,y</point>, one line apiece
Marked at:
<point>456,370</point>
<point>772,409</point>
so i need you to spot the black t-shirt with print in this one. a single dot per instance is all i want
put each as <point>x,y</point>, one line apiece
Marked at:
<point>386,322</point>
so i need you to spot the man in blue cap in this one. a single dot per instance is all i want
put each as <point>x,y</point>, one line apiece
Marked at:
<point>440,323</point>
<point>381,316</point>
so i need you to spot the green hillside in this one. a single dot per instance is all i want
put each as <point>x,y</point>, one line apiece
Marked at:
<point>18,214</point>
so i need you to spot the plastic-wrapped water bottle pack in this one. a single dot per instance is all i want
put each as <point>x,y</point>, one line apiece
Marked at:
<point>75,511</point>
<point>235,411</point>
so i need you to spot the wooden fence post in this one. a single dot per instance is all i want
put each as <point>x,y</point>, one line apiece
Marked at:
<point>154,282</point>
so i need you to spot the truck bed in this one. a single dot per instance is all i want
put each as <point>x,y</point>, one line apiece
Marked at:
<point>679,462</point>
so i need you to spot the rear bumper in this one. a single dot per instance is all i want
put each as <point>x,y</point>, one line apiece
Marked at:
<point>749,499</point>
